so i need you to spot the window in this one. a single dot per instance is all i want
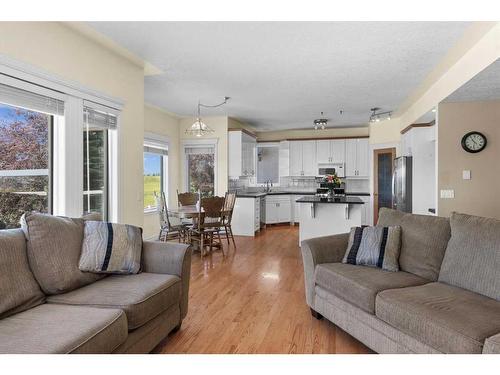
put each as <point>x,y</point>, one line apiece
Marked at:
<point>155,162</point>
<point>26,123</point>
<point>97,125</point>
<point>200,165</point>
<point>268,164</point>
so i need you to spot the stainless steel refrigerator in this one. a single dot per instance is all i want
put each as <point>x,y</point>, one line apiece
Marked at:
<point>401,184</point>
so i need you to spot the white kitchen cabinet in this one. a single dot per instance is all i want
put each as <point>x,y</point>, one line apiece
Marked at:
<point>309,167</point>
<point>246,216</point>
<point>323,151</point>
<point>278,209</point>
<point>241,153</point>
<point>303,158</point>
<point>295,158</point>
<point>338,150</point>
<point>284,159</point>
<point>357,158</point>
<point>366,211</point>
<point>330,151</point>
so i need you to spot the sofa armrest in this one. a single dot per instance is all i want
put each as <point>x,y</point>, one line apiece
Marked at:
<point>328,249</point>
<point>172,259</point>
<point>492,345</point>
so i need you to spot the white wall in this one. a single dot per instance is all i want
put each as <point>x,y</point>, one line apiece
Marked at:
<point>420,144</point>
<point>163,124</point>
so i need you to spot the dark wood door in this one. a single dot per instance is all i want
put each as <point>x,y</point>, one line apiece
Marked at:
<point>383,167</point>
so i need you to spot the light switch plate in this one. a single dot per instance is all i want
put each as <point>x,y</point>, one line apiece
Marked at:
<point>447,194</point>
<point>466,174</point>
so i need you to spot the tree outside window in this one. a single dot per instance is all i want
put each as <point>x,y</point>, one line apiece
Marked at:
<point>24,163</point>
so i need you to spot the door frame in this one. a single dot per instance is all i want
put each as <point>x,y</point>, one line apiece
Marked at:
<point>376,152</point>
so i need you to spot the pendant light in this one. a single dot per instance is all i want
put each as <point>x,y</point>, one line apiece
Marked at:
<point>199,128</point>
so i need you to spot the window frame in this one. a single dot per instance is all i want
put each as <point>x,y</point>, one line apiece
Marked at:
<point>67,141</point>
<point>200,143</point>
<point>160,142</point>
<point>50,151</point>
<point>264,145</point>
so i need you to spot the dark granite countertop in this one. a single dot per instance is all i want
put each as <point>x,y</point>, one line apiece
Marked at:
<point>337,200</point>
<point>363,194</point>
<point>259,194</point>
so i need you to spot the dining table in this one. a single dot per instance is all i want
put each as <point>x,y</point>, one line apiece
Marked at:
<point>190,212</point>
<point>184,212</point>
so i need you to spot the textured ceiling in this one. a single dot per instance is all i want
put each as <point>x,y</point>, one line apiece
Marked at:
<point>281,75</point>
<point>484,86</point>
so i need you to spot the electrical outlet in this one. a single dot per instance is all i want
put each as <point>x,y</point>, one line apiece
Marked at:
<point>466,175</point>
<point>447,194</point>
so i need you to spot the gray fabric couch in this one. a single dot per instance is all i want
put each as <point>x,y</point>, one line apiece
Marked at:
<point>444,299</point>
<point>48,306</point>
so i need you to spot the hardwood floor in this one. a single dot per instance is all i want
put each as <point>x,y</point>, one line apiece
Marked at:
<point>252,301</point>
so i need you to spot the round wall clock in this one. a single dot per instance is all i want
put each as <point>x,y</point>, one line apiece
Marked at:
<point>474,142</point>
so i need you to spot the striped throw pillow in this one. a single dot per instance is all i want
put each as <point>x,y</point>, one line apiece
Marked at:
<point>111,248</point>
<point>375,247</point>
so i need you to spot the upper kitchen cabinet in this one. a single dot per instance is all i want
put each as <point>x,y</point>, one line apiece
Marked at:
<point>330,151</point>
<point>241,154</point>
<point>302,158</point>
<point>357,157</point>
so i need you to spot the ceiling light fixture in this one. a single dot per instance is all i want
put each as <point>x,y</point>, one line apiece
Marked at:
<point>320,123</point>
<point>199,128</point>
<point>378,116</point>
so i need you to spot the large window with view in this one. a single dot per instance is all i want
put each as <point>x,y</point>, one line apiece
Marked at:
<point>97,126</point>
<point>25,157</point>
<point>200,170</point>
<point>155,162</point>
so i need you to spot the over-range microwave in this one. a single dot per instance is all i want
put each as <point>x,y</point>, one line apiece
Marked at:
<point>327,169</point>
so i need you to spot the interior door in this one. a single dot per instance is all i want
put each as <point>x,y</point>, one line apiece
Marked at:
<point>383,167</point>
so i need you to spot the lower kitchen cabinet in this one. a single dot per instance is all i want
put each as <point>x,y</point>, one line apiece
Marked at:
<point>246,216</point>
<point>366,212</point>
<point>278,209</point>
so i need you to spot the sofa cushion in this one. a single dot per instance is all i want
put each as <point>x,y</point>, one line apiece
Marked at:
<point>447,318</point>
<point>472,258</point>
<point>423,241</point>
<point>48,329</point>
<point>492,345</point>
<point>19,290</point>
<point>54,247</point>
<point>359,285</point>
<point>142,296</point>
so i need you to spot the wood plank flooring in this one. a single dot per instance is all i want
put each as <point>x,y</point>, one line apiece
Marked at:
<point>252,301</point>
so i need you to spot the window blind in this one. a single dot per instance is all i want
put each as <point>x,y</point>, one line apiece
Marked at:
<point>155,150</point>
<point>29,100</point>
<point>199,150</point>
<point>93,117</point>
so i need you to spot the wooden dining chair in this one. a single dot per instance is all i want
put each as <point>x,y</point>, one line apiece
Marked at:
<point>167,230</point>
<point>208,225</point>
<point>228,209</point>
<point>187,199</point>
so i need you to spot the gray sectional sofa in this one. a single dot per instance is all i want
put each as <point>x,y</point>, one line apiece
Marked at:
<point>48,305</point>
<point>444,299</point>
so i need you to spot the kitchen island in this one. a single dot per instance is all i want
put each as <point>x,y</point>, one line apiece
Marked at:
<point>322,216</point>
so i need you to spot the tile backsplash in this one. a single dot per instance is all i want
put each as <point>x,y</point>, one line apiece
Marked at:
<point>357,185</point>
<point>302,184</point>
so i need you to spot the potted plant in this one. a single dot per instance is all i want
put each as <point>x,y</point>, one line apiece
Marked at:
<point>331,181</point>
